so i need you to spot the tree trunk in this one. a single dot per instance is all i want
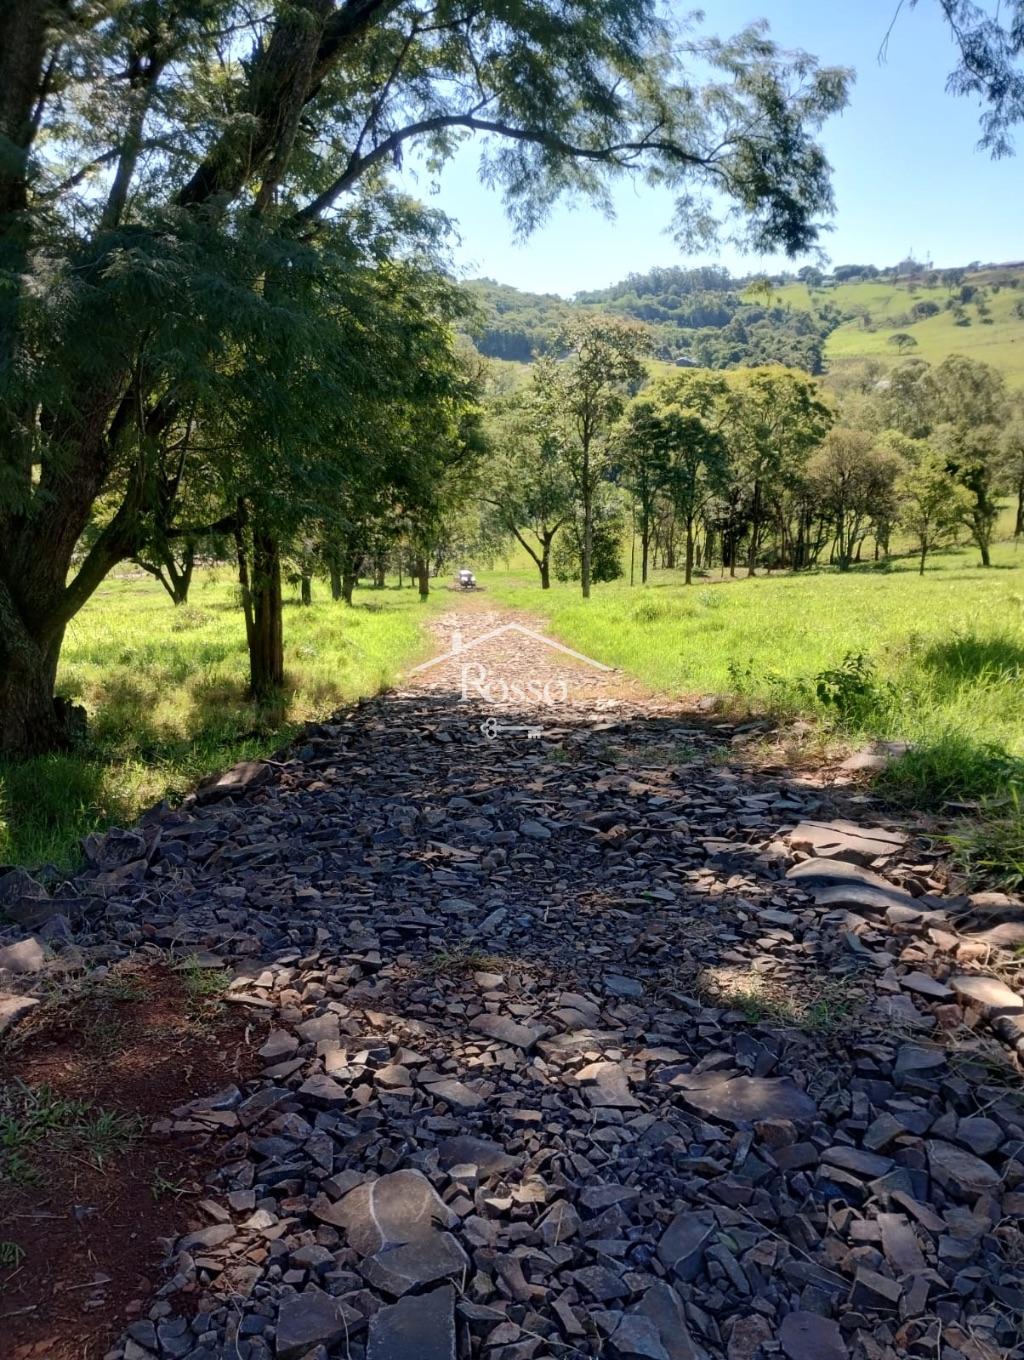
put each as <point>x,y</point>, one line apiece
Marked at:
<point>379,575</point>
<point>422,572</point>
<point>1018,528</point>
<point>266,647</point>
<point>688,568</point>
<point>32,721</point>
<point>924,554</point>
<point>645,547</point>
<point>348,585</point>
<point>588,525</point>
<point>335,571</point>
<point>755,531</point>
<point>545,566</point>
<point>306,585</point>
<point>181,580</point>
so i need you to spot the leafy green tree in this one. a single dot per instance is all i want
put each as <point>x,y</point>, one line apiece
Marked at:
<point>165,168</point>
<point>989,43</point>
<point>968,406</point>
<point>642,456</point>
<point>608,528</point>
<point>526,487</point>
<point>902,341</point>
<point>583,393</point>
<point>694,410</point>
<point>853,484</point>
<point>1011,464</point>
<point>932,503</point>
<point>775,420</point>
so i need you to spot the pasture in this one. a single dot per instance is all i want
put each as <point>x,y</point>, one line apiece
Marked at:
<point>942,657</point>
<point>997,339</point>
<point>164,689</point>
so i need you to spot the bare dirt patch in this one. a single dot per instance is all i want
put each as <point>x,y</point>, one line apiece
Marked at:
<point>87,1191</point>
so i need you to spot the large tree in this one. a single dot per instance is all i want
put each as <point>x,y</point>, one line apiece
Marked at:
<point>694,410</point>
<point>968,406</point>
<point>526,488</point>
<point>1011,463</point>
<point>932,503</point>
<point>583,388</point>
<point>852,482</point>
<point>642,458</point>
<point>775,420</point>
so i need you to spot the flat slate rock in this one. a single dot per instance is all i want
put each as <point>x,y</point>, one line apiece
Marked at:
<point>507,1031</point>
<point>986,992</point>
<point>663,1306</point>
<point>421,1327</point>
<point>312,1319</point>
<point>241,778</point>
<point>845,840</point>
<point>397,1270</point>
<point>683,1243</point>
<point>864,898</point>
<point>835,872</point>
<point>13,1008</point>
<point>958,1171</point>
<point>26,956</point>
<point>489,1158</point>
<point>742,1100</point>
<point>808,1336</point>
<point>392,1211</point>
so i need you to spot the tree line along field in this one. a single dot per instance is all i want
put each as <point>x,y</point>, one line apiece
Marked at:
<point>165,687</point>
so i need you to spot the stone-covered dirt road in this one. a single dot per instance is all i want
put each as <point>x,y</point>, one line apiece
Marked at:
<point>597,1043</point>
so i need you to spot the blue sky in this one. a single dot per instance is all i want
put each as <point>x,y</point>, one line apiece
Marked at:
<point>907,174</point>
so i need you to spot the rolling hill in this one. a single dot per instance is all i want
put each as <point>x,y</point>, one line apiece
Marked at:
<point>818,322</point>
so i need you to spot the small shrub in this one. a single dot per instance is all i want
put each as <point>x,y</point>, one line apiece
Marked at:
<point>849,689</point>
<point>711,599</point>
<point>649,610</point>
<point>780,693</point>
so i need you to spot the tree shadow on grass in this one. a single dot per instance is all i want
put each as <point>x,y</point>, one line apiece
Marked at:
<point>971,658</point>
<point>49,803</point>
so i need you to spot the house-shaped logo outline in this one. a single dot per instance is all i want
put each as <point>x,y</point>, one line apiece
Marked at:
<point>459,649</point>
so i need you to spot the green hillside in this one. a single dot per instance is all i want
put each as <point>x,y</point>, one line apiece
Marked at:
<point>818,322</point>
<point>989,326</point>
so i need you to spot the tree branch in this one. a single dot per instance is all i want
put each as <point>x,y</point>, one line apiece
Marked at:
<point>618,153</point>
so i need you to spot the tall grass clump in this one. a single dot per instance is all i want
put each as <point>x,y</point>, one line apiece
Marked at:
<point>991,847</point>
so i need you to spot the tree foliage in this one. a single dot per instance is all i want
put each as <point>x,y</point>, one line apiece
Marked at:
<point>187,189</point>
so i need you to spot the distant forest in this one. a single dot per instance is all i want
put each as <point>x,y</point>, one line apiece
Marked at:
<point>699,316</point>
<point>703,317</point>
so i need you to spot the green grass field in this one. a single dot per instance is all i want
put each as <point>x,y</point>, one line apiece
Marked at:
<point>944,653</point>
<point>1000,343</point>
<point>165,692</point>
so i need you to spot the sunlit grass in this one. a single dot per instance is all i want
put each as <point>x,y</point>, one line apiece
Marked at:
<point>165,693</point>
<point>944,653</point>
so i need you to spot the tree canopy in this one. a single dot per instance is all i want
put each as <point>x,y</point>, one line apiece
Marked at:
<point>188,189</point>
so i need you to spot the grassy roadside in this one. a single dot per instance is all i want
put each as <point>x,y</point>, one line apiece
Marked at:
<point>165,692</point>
<point>937,661</point>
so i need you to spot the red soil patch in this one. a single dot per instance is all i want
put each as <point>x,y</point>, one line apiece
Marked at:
<point>90,1237</point>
